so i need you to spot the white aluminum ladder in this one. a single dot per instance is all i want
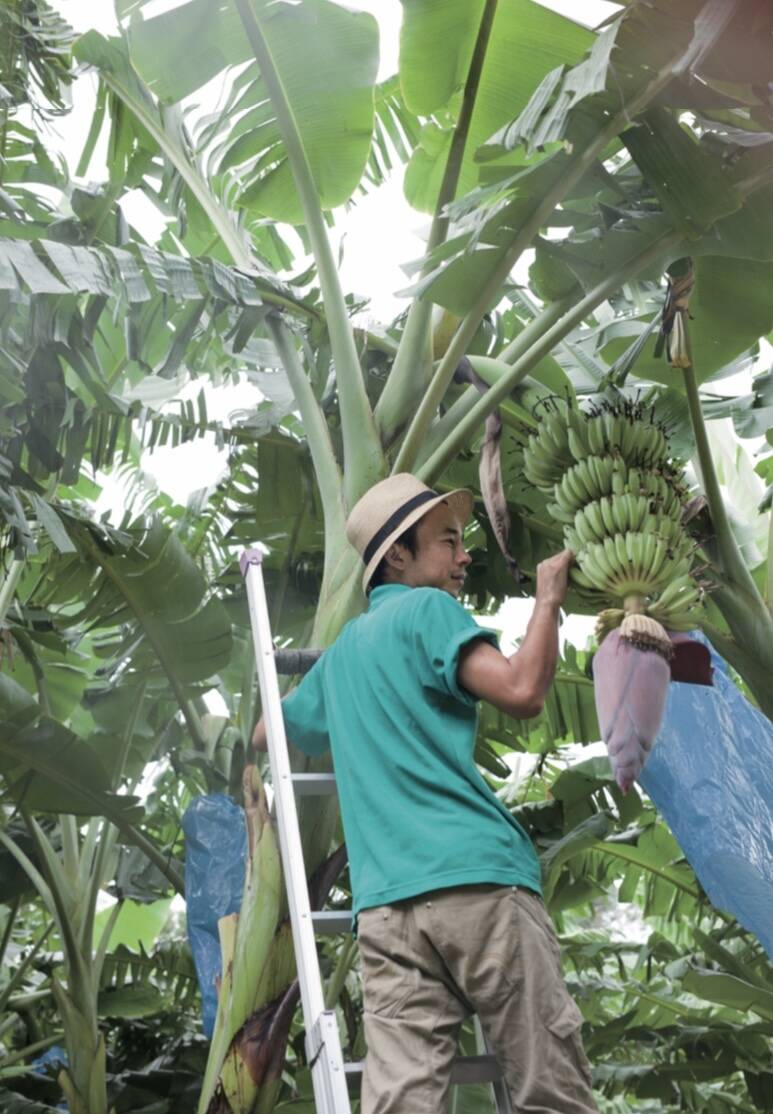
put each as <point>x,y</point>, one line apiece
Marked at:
<point>323,1044</point>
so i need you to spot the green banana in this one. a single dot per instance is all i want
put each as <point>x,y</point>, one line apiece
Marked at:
<point>607,516</point>
<point>620,502</point>
<point>596,442</point>
<point>564,517</point>
<point>576,447</point>
<point>672,591</point>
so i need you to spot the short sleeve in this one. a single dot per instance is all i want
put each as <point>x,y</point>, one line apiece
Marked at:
<point>305,715</point>
<point>442,629</point>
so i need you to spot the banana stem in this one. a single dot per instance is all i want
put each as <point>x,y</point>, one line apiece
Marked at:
<point>363,457</point>
<point>633,605</point>
<point>393,408</point>
<point>732,564</point>
<point>552,312</point>
<point>9,587</point>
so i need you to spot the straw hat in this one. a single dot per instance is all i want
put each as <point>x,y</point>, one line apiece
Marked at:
<point>389,508</point>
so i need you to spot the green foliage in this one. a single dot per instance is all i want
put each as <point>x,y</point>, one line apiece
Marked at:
<point>327,58</point>
<point>611,155</point>
<point>435,49</point>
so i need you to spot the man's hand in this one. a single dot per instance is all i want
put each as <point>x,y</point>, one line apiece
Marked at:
<point>553,578</point>
<point>259,738</point>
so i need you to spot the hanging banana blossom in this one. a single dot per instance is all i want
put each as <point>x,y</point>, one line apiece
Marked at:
<point>673,336</point>
<point>490,471</point>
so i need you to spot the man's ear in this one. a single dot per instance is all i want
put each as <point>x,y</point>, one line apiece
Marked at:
<point>395,556</point>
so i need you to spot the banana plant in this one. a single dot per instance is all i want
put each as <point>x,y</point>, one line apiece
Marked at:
<point>529,133</point>
<point>411,400</point>
<point>68,884</point>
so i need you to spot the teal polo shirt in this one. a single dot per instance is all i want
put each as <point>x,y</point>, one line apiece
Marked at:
<point>417,814</point>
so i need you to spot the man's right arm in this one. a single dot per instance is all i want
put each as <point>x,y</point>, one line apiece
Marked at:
<point>259,737</point>
<point>305,720</point>
<point>519,684</point>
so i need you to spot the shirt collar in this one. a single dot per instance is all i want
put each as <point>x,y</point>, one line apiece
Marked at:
<point>384,592</point>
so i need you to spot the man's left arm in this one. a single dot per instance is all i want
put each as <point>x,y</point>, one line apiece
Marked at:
<point>260,735</point>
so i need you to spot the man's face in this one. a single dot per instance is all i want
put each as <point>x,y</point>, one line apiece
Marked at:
<point>441,558</point>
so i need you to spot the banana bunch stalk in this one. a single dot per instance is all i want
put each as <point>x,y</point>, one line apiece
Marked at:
<point>620,499</point>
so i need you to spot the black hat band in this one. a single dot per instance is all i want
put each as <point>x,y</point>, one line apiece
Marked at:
<point>394,521</point>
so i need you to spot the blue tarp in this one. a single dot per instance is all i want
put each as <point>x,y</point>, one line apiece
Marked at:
<point>710,774</point>
<point>215,853</point>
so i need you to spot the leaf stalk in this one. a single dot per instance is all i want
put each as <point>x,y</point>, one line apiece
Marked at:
<point>488,402</point>
<point>10,584</point>
<point>733,565</point>
<point>363,458</point>
<point>323,457</point>
<point>403,383</point>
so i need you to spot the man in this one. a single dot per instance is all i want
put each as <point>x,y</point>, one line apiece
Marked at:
<point>445,882</point>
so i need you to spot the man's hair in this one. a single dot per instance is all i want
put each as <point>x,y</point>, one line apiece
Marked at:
<point>410,541</point>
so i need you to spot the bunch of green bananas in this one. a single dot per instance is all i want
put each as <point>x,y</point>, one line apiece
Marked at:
<point>620,500</point>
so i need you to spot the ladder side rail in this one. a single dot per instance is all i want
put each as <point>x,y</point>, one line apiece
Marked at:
<point>323,1045</point>
<point>500,1092</point>
<point>309,975</point>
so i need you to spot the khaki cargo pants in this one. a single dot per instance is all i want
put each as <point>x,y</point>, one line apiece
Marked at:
<point>430,961</point>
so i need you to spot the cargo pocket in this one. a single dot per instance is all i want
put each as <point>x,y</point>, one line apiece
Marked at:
<point>388,980</point>
<point>534,908</point>
<point>565,1024</point>
<point>566,1017</point>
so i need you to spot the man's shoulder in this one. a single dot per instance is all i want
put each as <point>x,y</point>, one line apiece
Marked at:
<point>434,610</point>
<point>406,611</point>
<point>438,599</point>
<point>426,599</point>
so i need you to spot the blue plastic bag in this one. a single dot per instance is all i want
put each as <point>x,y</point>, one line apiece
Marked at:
<point>215,853</point>
<point>54,1057</point>
<point>710,774</point>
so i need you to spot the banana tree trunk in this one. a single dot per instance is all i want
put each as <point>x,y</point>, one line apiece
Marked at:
<point>68,884</point>
<point>84,1080</point>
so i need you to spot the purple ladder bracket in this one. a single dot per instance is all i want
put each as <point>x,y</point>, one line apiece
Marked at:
<point>250,557</point>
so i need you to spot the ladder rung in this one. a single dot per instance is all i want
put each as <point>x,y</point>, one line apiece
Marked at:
<point>314,785</point>
<point>328,922</point>
<point>466,1069</point>
<point>476,1069</point>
